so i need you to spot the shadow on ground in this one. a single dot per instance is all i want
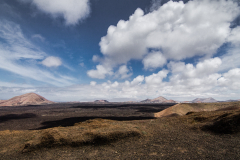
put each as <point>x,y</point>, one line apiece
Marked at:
<point>148,107</point>
<point>117,105</point>
<point>228,123</point>
<point>16,116</point>
<point>71,121</point>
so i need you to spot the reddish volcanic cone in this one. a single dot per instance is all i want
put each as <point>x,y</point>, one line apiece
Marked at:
<point>26,99</point>
<point>1,101</point>
<point>158,100</point>
<point>101,101</point>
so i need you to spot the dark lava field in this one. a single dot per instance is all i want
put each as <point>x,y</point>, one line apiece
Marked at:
<point>36,117</point>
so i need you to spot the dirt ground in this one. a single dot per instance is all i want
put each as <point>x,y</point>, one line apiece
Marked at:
<point>193,136</point>
<point>65,114</point>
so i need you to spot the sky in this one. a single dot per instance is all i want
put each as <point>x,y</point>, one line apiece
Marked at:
<point>83,50</point>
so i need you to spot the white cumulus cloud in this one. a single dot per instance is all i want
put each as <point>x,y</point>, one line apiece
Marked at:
<point>100,72</point>
<point>138,80</point>
<point>195,28</point>
<point>156,78</point>
<point>93,83</point>
<point>52,61</point>
<point>230,60</point>
<point>230,79</point>
<point>72,11</point>
<point>154,60</point>
<point>205,68</point>
<point>123,72</point>
<point>200,78</point>
<point>180,31</point>
<point>219,86</point>
<point>234,37</point>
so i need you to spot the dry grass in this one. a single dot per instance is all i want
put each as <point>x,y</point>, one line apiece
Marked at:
<point>196,135</point>
<point>224,121</point>
<point>97,132</point>
<point>184,108</point>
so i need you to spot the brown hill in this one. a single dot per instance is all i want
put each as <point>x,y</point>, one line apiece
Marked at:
<point>183,108</point>
<point>158,100</point>
<point>1,101</point>
<point>101,101</point>
<point>26,99</point>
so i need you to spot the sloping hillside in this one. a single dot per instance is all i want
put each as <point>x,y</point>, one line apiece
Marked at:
<point>158,100</point>
<point>1,101</point>
<point>204,100</point>
<point>26,99</point>
<point>101,101</point>
<point>184,108</point>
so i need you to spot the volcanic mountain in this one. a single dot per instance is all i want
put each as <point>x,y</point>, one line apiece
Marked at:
<point>101,101</point>
<point>204,100</point>
<point>1,101</point>
<point>26,99</point>
<point>158,100</point>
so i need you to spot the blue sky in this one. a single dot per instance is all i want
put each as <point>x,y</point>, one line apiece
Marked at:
<point>82,50</point>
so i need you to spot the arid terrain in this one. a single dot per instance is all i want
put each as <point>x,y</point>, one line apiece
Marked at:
<point>34,117</point>
<point>25,99</point>
<point>118,131</point>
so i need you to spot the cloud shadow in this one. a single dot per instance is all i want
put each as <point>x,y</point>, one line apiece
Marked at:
<point>8,117</point>
<point>71,121</point>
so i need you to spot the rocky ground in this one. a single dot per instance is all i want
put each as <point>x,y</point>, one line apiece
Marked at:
<point>203,135</point>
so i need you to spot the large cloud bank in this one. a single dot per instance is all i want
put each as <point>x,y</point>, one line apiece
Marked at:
<point>185,83</point>
<point>176,30</point>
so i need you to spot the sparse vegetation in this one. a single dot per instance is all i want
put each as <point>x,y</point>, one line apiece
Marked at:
<point>223,121</point>
<point>188,108</point>
<point>97,132</point>
<point>196,135</point>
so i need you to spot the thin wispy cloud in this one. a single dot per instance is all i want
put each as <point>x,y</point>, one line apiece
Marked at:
<point>38,37</point>
<point>15,49</point>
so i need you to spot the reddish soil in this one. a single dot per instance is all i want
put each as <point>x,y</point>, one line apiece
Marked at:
<point>25,99</point>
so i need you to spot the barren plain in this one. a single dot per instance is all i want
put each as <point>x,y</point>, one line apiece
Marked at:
<point>117,131</point>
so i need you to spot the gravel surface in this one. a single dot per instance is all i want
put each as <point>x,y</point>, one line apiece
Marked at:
<point>163,138</point>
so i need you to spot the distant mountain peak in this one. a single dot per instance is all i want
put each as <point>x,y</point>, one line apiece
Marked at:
<point>101,101</point>
<point>204,100</point>
<point>26,99</point>
<point>159,99</point>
